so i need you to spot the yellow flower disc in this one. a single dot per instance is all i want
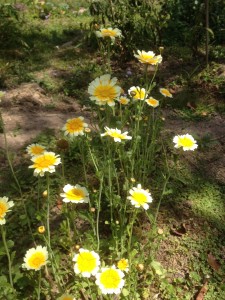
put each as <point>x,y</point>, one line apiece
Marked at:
<point>110,279</point>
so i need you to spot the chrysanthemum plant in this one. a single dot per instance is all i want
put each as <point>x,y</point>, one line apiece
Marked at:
<point>111,195</point>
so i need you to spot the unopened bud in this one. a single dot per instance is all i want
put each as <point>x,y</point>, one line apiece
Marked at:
<point>140,267</point>
<point>41,229</point>
<point>92,209</point>
<point>45,194</point>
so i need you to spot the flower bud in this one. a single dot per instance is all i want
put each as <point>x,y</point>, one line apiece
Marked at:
<point>45,194</point>
<point>41,229</point>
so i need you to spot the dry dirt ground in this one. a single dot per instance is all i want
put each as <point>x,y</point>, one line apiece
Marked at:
<point>27,111</point>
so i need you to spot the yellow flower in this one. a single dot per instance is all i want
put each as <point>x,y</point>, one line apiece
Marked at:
<point>75,194</point>
<point>45,162</point>
<point>116,134</point>
<point>103,90</point>
<point>186,141</point>
<point>86,263</point>
<point>140,197</point>
<point>35,149</point>
<point>123,100</point>
<point>123,265</point>
<point>35,258</point>
<point>109,32</point>
<point>75,127</point>
<point>66,297</point>
<point>148,57</point>
<point>152,102</point>
<point>110,280</point>
<point>5,206</point>
<point>165,93</point>
<point>137,93</point>
<point>41,229</point>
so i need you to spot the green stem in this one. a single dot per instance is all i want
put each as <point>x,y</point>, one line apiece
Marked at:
<point>161,197</point>
<point>98,212</point>
<point>48,210</point>
<point>39,285</point>
<point>81,148</point>
<point>14,175</point>
<point>8,255</point>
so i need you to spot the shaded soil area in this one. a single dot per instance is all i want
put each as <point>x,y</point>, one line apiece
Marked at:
<point>27,112</point>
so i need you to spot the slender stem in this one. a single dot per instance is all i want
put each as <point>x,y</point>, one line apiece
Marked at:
<point>48,210</point>
<point>39,285</point>
<point>98,212</point>
<point>14,175</point>
<point>8,156</point>
<point>161,197</point>
<point>8,255</point>
<point>81,148</point>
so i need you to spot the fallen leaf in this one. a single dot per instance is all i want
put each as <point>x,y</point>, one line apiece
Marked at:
<point>202,291</point>
<point>213,262</point>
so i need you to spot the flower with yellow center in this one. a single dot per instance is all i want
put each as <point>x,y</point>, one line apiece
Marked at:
<point>140,197</point>
<point>5,206</point>
<point>137,93</point>
<point>35,258</point>
<point>75,194</point>
<point>165,93</point>
<point>66,297</point>
<point>186,141</point>
<point>35,149</point>
<point>148,57</point>
<point>123,100</point>
<point>110,280</point>
<point>109,32</point>
<point>152,102</point>
<point>45,162</point>
<point>103,90</point>
<point>116,134</point>
<point>86,263</point>
<point>123,265</point>
<point>74,127</point>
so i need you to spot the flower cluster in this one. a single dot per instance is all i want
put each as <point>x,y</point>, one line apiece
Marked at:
<point>109,280</point>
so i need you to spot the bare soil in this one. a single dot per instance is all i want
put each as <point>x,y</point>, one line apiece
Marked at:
<point>27,111</point>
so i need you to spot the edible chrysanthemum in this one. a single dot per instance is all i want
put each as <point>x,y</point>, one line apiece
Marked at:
<point>45,162</point>
<point>35,149</point>
<point>123,265</point>
<point>75,194</point>
<point>75,127</point>
<point>123,100</point>
<point>109,32</point>
<point>35,258</point>
<point>186,141</point>
<point>116,134</point>
<point>137,93</point>
<point>140,197</point>
<point>5,206</point>
<point>86,263</point>
<point>103,90</point>
<point>110,280</point>
<point>148,57</point>
<point>152,102</point>
<point>165,93</point>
